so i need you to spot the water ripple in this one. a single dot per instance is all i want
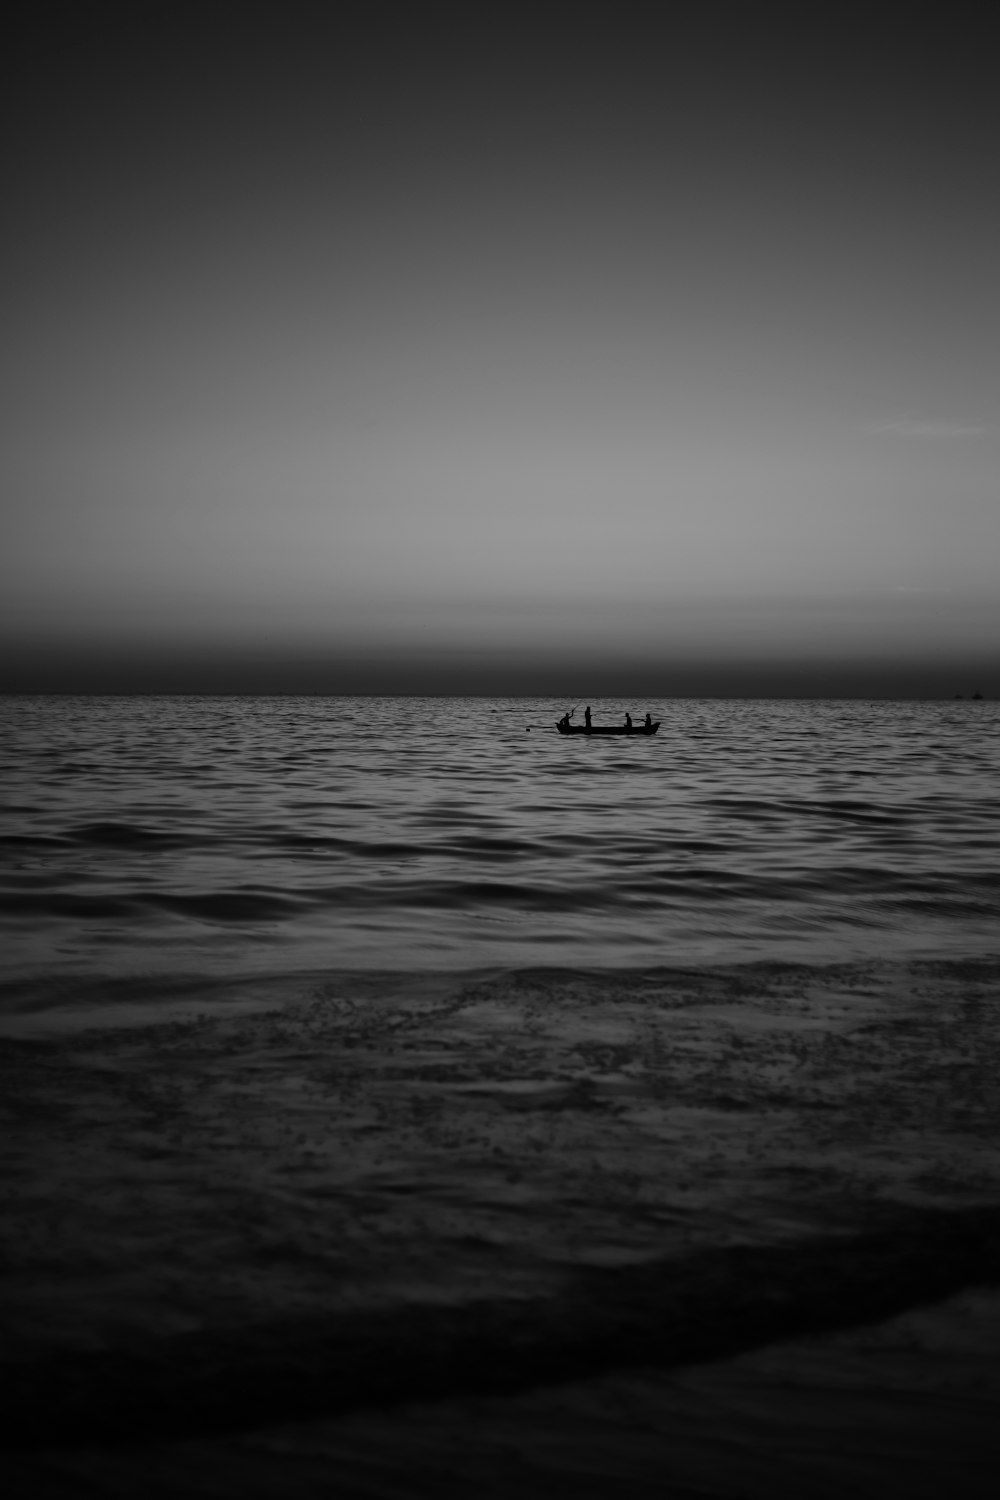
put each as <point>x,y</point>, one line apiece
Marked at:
<point>139,833</point>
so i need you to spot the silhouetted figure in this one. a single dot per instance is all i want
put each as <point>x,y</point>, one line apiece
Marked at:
<point>628,722</point>
<point>586,716</point>
<point>564,721</point>
<point>649,722</point>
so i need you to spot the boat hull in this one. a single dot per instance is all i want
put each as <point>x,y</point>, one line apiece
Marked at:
<point>636,729</point>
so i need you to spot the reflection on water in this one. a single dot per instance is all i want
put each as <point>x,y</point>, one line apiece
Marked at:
<point>213,835</point>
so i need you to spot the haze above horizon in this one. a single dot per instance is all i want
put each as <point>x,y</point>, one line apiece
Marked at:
<point>496,352</point>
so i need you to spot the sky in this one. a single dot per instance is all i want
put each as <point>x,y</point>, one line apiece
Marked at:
<point>494,349</point>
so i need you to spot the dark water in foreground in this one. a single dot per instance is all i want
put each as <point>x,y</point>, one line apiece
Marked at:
<point>217,836</point>
<point>542,1060</point>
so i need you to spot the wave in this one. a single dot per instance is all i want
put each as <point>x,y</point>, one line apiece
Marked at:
<point>740,823</point>
<point>129,836</point>
<point>393,891</point>
<point>660,1314</point>
<point>227,906</point>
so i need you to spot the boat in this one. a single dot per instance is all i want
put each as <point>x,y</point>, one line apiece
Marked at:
<point>564,728</point>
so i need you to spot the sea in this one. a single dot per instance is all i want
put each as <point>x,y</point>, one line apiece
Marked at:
<point>358,1051</point>
<point>169,840</point>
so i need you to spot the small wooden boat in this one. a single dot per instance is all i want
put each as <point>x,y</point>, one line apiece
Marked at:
<point>607,728</point>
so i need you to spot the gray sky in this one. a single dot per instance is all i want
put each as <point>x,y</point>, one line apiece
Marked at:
<point>493,349</point>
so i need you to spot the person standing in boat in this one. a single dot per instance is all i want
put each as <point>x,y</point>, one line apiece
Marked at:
<point>628,722</point>
<point>586,716</point>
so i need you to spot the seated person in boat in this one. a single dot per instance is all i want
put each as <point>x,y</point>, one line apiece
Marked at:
<point>649,722</point>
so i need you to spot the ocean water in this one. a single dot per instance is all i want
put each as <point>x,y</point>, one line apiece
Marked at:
<point>184,837</point>
<point>488,1054</point>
